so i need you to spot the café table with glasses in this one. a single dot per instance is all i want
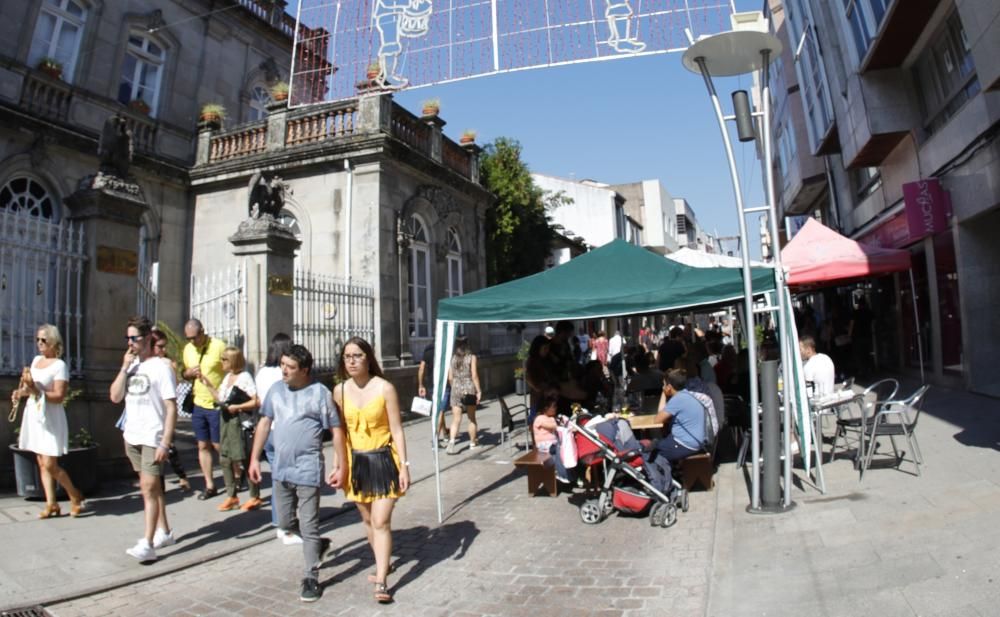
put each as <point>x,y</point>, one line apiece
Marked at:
<point>832,404</point>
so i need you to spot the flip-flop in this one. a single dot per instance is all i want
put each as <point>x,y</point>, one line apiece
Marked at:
<point>382,595</point>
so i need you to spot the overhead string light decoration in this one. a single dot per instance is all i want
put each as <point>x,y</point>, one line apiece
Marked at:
<point>349,48</point>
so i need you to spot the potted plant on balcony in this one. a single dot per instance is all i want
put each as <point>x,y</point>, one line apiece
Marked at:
<point>279,91</point>
<point>51,67</point>
<point>140,106</point>
<point>468,137</point>
<point>373,71</point>
<point>431,108</point>
<point>212,114</point>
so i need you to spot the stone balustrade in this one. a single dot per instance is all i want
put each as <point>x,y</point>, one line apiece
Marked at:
<point>46,96</point>
<point>321,123</point>
<point>243,141</point>
<point>317,125</point>
<point>143,130</point>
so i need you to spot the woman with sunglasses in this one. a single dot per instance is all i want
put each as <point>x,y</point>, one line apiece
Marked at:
<point>378,472</point>
<point>236,395</point>
<point>43,426</point>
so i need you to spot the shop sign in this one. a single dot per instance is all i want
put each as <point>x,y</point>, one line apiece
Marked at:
<point>927,208</point>
<point>893,234</point>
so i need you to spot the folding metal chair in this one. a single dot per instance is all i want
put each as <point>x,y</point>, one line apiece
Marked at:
<point>870,399</point>
<point>892,419</point>
<point>508,421</point>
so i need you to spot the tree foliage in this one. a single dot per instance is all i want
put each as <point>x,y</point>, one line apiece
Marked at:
<point>518,236</point>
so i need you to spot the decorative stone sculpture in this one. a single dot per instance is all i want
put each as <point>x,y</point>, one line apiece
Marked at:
<point>115,147</point>
<point>267,195</point>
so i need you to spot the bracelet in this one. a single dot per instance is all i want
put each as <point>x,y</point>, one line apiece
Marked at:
<point>407,463</point>
<point>162,446</point>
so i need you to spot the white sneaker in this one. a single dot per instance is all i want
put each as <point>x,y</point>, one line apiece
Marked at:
<point>163,538</point>
<point>142,551</point>
<point>474,446</point>
<point>288,538</point>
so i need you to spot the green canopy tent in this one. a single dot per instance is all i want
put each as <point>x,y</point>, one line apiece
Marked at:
<point>614,280</point>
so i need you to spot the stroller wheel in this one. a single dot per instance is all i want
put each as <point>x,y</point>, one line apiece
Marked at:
<point>680,499</point>
<point>590,512</point>
<point>669,515</point>
<point>606,504</point>
<point>656,514</point>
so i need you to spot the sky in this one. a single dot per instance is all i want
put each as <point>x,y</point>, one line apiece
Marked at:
<point>616,121</point>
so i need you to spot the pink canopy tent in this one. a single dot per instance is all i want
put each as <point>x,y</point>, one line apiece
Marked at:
<point>818,256</point>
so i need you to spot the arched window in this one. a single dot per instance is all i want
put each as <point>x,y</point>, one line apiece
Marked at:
<point>58,32</point>
<point>260,98</point>
<point>24,194</point>
<point>420,279</point>
<point>454,260</point>
<point>142,72</point>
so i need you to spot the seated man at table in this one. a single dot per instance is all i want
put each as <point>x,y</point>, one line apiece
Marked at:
<point>686,416</point>
<point>818,368</point>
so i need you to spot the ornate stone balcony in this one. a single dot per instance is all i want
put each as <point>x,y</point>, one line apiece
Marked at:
<point>314,130</point>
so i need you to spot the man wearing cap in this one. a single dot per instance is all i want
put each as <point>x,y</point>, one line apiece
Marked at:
<point>549,332</point>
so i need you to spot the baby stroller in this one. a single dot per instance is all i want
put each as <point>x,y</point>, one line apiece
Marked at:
<point>630,485</point>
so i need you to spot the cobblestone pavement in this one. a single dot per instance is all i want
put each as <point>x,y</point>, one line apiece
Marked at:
<point>499,552</point>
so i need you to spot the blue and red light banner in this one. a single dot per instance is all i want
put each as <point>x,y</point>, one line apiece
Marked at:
<point>348,48</point>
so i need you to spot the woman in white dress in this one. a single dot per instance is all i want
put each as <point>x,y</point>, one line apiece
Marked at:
<point>43,426</point>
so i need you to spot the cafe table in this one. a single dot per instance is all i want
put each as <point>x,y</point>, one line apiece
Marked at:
<point>827,405</point>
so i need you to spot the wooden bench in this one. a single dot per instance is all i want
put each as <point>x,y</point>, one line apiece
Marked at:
<point>540,475</point>
<point>698,468</point>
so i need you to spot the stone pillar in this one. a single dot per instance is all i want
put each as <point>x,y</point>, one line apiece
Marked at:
<point>277,125</point>
<point>110,210</point>
<point>268,251</point>
<point>473,151</point>
<point>375,114</point>
<point>204,148</point>
<point>437,125</point>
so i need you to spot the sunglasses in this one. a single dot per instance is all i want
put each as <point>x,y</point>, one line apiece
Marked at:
<point>42,341</point>
<point>134,339</point>
<point>161,345</point>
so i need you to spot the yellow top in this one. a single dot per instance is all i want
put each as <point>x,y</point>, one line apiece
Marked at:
<point>211,367</point>
<point>367,428</point>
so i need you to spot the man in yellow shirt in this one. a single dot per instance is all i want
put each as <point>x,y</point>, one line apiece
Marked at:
<point>203,358</point>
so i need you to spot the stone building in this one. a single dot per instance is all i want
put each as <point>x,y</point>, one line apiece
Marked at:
<point>84,251</point>
<point>886,116</point>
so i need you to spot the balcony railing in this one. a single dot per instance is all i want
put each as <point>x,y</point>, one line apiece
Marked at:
<point>411,130</point>
<point>323,123</point>
<point>243,141</point>
<point>46,97</point>
<point>368,118</point>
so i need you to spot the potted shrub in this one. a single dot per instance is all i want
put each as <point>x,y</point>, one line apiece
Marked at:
<point>431,108</point>
<point>279,91</point>
<point>140,106</point>
<point>212,113</point>
<point>520,386</point>
<point>51,67</point>
<point>468,137</point>
<point>373,71</point>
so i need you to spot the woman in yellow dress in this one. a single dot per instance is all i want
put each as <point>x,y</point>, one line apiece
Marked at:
<point>378,472</point>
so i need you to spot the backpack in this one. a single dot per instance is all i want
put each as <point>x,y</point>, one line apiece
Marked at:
<point>711,423</point>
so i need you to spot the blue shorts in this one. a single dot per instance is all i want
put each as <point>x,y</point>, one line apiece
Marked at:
<point>206,424</point>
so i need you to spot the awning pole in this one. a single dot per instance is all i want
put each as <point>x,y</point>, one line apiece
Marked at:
<point>916,323</point>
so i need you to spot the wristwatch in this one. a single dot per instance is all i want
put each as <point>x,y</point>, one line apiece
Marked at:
<point>407,463</point>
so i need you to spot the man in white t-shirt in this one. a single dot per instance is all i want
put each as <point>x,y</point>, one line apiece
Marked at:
<point>147,386</point>
<point>818,368</point>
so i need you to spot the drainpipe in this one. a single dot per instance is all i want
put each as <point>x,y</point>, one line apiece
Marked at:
<point>350,207</point>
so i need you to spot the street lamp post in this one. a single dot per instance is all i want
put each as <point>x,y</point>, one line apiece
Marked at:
<point>739,52</point>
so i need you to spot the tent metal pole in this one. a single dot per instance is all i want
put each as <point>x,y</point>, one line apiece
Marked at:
<point>916,323</point>
<point>747,287</point>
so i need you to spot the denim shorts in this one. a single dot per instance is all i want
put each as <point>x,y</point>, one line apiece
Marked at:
<point>205,423</point>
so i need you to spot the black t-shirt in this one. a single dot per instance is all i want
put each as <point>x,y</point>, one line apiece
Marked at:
<point>428,361</point>
<point>668,353</point>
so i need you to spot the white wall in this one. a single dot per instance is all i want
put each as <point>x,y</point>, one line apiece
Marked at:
<point>659,216</point>
<point>591,216</point>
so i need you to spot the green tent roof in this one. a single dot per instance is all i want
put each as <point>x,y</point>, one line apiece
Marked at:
<point>615,279</point>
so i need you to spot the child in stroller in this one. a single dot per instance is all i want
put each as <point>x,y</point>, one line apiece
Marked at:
<point>630,484</point>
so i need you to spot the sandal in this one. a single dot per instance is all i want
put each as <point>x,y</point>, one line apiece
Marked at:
<point>207,494</point>
<point>382,595</point>
<point>372,579</point>
<point>50,511</point>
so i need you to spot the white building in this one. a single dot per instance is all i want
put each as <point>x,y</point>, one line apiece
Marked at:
<point>649,202</point>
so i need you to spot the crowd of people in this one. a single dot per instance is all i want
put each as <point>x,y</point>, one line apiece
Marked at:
<point>281,414</point>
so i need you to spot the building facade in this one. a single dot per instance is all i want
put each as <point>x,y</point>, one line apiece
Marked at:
<point>651,205</point>
<point>387,213</point>
<point>886,122</point>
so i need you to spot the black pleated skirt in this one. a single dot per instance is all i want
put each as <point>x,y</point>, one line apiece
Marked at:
<point>374,473</point>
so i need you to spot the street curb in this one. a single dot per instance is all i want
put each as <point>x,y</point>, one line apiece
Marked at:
<point>151,573</point>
